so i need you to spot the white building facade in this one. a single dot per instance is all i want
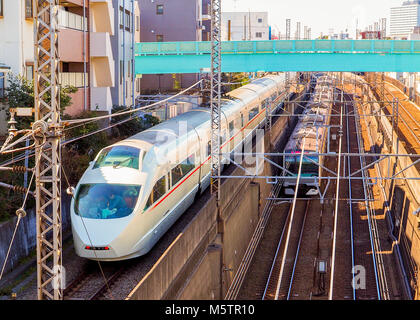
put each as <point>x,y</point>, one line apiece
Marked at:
<point>127,22</point>
<point>237,26</point>
<point>16,37</point>
<point>404,19</point>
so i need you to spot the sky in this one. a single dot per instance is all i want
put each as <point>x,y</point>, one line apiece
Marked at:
<point>320,15</point>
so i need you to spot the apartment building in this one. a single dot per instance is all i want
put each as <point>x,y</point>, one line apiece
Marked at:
<point>84,48</point>
<point>237,26</point>
<point>127,24</point>
<point>169,20</point>
<point>404,19</point>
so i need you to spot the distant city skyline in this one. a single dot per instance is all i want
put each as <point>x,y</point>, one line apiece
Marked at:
<point>320,16</point>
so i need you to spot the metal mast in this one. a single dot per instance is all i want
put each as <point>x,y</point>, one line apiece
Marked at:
<point>48,134</point>
<point>287,74</point>
<point>215,96</point>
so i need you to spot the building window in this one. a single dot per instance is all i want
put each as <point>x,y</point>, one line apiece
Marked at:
<point>29,72</point>
<point>159,37</point>
<point>258,34</point>
<point>137,23</point>
<point>260,20</point>
<point>127,20</point>
<point>128,69</point>
<point>1,8</point>
<point>121,17</point>
<point>138,84</point>
<point>159,9</point>
<point>132,70</point>
<point>28,9</point>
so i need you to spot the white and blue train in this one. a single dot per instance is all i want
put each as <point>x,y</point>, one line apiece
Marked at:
<point>134,190</point>
<point>313,125</point>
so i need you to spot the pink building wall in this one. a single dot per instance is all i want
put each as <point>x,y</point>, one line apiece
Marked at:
<point>77,99</point>
<point>70,45</point>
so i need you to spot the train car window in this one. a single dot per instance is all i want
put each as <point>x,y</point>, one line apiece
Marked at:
<point>231,128</point>
<point>253,113</point>
<point>119,156</point>
<point>222,139</point>
<point>307,167</point>
<point>242,120</point>
<point>183,169</point>
<point>105,201</point>
<point>158,191</point>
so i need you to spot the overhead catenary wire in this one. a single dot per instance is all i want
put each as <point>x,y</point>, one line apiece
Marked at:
<point>77,121</point>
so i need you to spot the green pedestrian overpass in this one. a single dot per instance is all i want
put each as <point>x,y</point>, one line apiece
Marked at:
<point>280,55</point>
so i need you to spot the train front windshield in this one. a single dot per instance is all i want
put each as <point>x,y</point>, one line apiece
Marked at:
<point>308,167</point>
<point>118,156</point>
<point>105,201</point>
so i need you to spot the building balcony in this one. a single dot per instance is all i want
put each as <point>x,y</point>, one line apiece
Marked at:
<point>70,45</point>
<point>102,13</point>
<point>71,20</point>
<point>102,61</point>
<point>75,79</point>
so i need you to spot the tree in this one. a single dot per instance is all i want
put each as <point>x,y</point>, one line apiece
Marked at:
<point>139,123</point>
<point>20,93</point>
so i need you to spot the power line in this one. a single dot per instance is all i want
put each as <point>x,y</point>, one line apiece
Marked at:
<point>76,121</point>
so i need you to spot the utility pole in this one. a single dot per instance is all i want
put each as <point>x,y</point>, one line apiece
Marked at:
<point>48,157</point>
<point>215,96</point>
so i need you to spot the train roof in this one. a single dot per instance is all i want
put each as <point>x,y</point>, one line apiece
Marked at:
<point>184,123</point>
<point>312,133</point>
<point>252,91</point>
<point>198,117</point>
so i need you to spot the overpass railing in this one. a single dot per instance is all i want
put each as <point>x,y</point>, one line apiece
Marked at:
<point>280,46</point>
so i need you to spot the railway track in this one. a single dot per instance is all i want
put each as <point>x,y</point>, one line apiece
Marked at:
<point>94,283</point>
<point>409,125</point>
<point>360,213</point>
<point>363,269</point>
<point>282,273</point>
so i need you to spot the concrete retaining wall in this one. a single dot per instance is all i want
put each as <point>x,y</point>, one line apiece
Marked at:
<point>25,239</point>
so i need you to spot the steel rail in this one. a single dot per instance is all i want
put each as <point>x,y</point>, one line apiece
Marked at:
<point>407,286</point>
<point>289,230</point>
<point>350,203</point>
<point>298,250</point>
<point>402,118</point>
<point>334,244</point>
<point>368,207</point>
<point>276,255</point>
